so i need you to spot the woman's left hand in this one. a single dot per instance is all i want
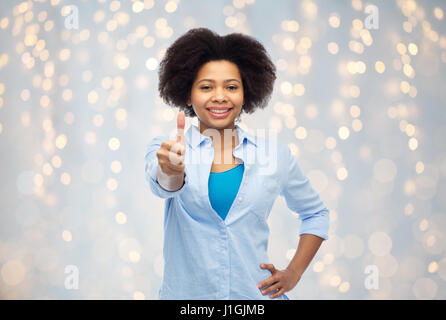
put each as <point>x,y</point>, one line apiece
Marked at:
<point>281,280</point>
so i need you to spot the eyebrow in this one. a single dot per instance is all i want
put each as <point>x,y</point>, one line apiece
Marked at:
<point>228,80</point>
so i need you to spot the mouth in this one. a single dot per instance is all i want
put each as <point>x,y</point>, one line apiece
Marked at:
<point>219,112</point>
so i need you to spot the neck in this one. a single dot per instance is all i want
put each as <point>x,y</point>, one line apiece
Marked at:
<point>222,139</point>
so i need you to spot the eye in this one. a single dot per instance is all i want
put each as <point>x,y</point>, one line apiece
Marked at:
<point>232,88</point>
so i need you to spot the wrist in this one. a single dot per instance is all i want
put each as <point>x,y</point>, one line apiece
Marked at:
<point>170,183</point>
<point>296,271</point>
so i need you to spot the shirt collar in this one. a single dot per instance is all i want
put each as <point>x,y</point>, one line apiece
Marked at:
<point>194,137</point>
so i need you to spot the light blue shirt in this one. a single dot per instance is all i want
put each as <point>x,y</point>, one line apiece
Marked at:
<point>206,257</point>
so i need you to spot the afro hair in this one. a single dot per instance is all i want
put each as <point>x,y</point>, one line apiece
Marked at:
<point>183,59</point>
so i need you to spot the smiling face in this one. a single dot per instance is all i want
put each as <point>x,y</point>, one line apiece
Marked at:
<point>218,85</point>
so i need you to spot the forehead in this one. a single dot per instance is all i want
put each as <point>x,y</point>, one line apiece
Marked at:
<point>218,71</point>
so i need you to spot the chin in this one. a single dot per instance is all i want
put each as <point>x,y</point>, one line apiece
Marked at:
<point>218,124</point>
<point>226,124</point>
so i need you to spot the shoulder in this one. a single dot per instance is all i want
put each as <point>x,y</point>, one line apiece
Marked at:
<point>271,145</point>
<point>272,156</point>
<point>285,151</point>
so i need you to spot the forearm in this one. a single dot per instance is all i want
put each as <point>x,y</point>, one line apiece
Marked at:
<point>308,246</point>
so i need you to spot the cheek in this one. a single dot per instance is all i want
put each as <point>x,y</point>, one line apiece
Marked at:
<point>236,98</point>
<point>239,100</point>
<point>200,100</point>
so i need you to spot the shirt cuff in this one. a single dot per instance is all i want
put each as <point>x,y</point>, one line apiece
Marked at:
<point>317,225</point>
<point>167,182</point>
<point>158,188</point>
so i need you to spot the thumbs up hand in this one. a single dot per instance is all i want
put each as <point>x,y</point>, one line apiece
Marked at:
<point>171,153</point>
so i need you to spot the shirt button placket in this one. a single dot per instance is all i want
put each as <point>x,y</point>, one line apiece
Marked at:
<point>224,294</point>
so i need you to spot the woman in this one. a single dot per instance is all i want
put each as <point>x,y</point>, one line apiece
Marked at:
<point>217,202</point>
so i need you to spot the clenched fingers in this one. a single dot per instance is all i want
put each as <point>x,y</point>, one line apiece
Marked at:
<point>176,159</point>
<point>170,156</point>
<point>171,169</point>
<point>173,146</point>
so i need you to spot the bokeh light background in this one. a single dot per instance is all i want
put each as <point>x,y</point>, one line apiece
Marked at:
<point>362,109</point>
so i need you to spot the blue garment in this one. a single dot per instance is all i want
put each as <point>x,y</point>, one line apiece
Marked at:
<point>206,257</point>
<point>223,188</point>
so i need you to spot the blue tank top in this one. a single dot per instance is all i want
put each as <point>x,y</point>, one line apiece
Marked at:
<point>223,188</point>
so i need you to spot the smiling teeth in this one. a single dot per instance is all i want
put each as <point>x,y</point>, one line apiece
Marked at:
<point>219,111</point>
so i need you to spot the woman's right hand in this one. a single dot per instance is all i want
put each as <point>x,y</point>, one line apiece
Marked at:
<point>171,153</point>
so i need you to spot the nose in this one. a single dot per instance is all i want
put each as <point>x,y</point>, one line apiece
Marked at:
<point>219,95</point>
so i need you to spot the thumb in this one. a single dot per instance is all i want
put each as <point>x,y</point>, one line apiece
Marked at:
<point>181,121</point>
<point>268,266</point>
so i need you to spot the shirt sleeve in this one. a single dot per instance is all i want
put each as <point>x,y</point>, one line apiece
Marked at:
<point>301,198</point>
<point>151,170</point>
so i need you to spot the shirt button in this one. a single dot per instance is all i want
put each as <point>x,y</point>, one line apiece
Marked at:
<point>240,198</point>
